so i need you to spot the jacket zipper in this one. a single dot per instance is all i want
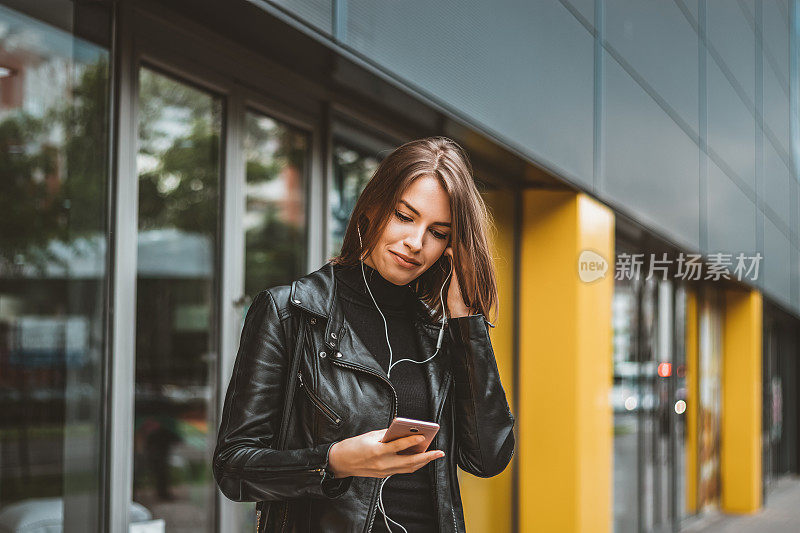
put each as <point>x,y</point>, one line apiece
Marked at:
<point>261,474</point>
<point>327,411</point>
<point>336,419</point>
<point>330,414</point>
<point>285,516</point>
<point>372,505</point>
<point>438,418</point>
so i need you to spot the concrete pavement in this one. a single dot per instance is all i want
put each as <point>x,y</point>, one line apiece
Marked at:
<point>781,514</point>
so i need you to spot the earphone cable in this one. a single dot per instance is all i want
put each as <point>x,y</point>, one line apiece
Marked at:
<point>386,518</point>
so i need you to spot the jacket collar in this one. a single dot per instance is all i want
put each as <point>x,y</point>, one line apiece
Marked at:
<point>316,293</point>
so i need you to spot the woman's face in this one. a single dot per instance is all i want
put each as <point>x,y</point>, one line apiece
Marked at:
<point>418,229</point>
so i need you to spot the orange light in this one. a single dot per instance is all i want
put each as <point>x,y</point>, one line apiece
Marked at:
<point>665,370</point>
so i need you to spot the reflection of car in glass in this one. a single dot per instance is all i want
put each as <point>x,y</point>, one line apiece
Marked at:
<point>45,515</point>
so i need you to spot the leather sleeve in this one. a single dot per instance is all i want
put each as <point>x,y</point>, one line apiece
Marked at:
<point>484,425</point>
<point>245,465</point>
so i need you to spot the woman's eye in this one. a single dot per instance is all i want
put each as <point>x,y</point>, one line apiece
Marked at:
<point>404,218</point>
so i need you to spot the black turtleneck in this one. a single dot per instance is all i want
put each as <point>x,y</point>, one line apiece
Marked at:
<point>407,498</point>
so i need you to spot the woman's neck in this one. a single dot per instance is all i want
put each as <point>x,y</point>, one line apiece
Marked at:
<point>386,294</point>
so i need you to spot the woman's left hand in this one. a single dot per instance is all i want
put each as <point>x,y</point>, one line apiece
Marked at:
<point>455,301</point>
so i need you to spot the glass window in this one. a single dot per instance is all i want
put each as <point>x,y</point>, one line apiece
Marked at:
<point>709,400</point>
<point>625,400</point>
<point>276,156</point>
<point>648,400</point>
<point>176,328</point>
<point>352,169</point>
<point>277,159</point>
<point>54,135</point>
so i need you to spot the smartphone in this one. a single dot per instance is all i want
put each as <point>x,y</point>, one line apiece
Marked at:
<point>405,427</point>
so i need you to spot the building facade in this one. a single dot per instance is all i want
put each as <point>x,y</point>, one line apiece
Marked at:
<point>161,161</point>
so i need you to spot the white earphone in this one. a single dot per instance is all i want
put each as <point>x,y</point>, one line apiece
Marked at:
<point>386,519</point>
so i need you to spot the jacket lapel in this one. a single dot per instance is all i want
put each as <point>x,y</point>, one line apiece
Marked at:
<point>316,294</point>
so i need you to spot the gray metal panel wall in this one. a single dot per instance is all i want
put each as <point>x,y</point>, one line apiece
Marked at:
<point>657,41</point>
<point>651,165</point>
<point>317,13</point>
<point>692,105</point>
<point>523,70</point>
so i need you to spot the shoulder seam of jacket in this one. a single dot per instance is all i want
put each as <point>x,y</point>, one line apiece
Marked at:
<point>283,308</point>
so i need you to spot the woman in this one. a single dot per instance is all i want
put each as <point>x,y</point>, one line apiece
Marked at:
<point>377,341</point>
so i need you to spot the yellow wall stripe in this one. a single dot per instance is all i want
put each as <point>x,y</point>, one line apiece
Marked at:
<point>565,447</point>
<point>740,447</point>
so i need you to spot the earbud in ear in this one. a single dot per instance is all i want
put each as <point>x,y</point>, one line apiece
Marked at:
<point>361,245</point>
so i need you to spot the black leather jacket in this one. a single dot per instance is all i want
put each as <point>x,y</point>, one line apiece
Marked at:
<point>342,392</point>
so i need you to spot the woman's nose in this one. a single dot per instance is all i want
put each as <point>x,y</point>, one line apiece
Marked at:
<point>414,240</point>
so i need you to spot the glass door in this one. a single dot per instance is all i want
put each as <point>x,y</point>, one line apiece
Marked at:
<point>224,206</point>
<point>625,398</point>
<point>649,401</point>
<point>54,131</point>
<point>179,176</point>
<point>650,412</point>
<point>270,229</point>
<point>709,398</point>
<point>181,253</point>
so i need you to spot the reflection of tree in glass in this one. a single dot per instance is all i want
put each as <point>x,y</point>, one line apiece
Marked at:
<point>178,156</point>
<point>271,146</point>
<point>54,170</point>
<point>275,243</point>
<point>352,171</point>
<point>274,254</point>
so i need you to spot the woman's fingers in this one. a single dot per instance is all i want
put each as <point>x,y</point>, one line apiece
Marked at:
<point>366,455</point>
<point>426,457</point>
<point>405,442</point>
<point>419,460</point>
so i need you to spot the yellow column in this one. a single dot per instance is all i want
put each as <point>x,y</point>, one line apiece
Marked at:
<point>487,502</point>
<point>692,402</point>
<point>565,432</point>
<point>740,447</point>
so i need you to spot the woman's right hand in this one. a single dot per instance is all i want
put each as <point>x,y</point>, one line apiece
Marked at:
<point>366,456</point>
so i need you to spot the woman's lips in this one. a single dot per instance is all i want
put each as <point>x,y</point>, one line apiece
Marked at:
<point>402,262</point>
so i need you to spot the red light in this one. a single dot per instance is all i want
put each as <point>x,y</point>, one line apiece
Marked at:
<point>665,370</point>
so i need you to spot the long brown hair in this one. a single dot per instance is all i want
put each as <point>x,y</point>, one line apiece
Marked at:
<point>471,222</point>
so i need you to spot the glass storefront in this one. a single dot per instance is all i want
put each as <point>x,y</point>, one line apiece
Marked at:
<point>201,133</point>
<point>177,345</point>
<point>176,324</point>
<point>277,157</point>
<point>648,398</point>
<point>54,115</point>
<point>666,400</point>
<point>709,372</point>
<point>624,400</point>
<point>779,437</point>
